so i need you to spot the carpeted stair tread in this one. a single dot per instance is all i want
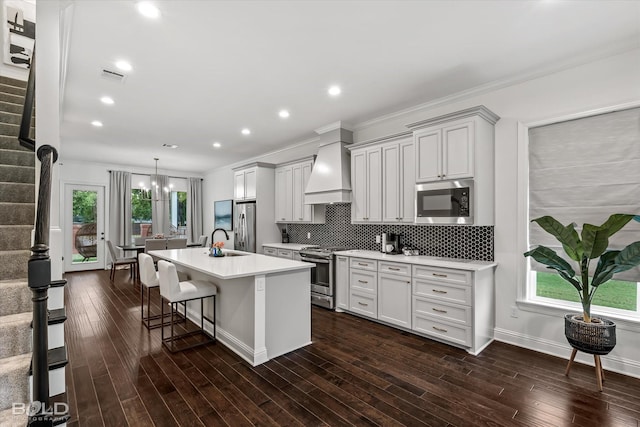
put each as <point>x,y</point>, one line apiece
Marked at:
<point>18,174</point>
<point>13,82</point>
<point>13,118</point>
<point>16,297</point>
<point>13,99</point>
<point>15,237</point>
<point>14,90</point>
<point>9,419</point>
<point>17,213</point>
<point>13,264</point>
<point>10,142</point>
<point>12,130</point>
<point>18,192</point>
<point>14,379</point>
<point>10,107</point>
<point>15,334</point>
<point>17,157</point>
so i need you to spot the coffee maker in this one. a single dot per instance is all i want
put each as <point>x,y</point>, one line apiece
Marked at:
<point>392,244</point>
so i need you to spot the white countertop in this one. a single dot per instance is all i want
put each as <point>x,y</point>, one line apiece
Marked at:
<point>290,246</point>
<point>461,264</point>
<point>229,267</point>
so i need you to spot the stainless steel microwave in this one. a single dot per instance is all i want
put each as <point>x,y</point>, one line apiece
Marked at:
<point>445,202</point>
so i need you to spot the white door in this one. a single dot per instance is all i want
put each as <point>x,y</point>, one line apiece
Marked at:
<point>84,227</point>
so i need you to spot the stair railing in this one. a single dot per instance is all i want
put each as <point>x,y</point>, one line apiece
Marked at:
<point>27,111</point>
<point>39,277</point>
<point>39,267</point>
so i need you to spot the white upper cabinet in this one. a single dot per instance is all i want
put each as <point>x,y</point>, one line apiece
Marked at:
<point>244,184</point>
<point>382,181</point>
<point>291,181</point>
<point>366,184</point>
<point>445,152</point>
<point>398,177</point>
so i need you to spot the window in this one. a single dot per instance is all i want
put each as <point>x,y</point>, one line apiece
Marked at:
<point>178,211</point>
<point>582,171</point>
<point>140,214</point>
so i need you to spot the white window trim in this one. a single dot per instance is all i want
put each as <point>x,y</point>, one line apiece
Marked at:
<point>525,301</point>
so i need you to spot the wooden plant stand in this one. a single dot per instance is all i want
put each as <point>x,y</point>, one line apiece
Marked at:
<point>599,370</point>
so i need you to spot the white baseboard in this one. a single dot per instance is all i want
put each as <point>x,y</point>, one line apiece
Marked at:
<point>563,350</point>
<point>251,355</point>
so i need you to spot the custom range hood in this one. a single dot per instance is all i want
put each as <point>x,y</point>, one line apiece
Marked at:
<point>330,180</point>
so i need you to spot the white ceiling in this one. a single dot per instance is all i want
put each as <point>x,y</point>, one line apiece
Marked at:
<point>206,69</point>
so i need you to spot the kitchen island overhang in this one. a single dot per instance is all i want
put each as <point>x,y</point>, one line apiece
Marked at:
<point>263,306</point>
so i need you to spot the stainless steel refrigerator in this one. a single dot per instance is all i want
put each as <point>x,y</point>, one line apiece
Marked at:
<point>245,227</point>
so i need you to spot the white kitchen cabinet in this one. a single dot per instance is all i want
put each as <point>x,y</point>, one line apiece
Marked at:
<point>342,283</point>
<point>394,299</point>
<point>291,181</point>
<point>366,184</point>
<point>245,184</point>
<point>452,305</point>
<point>270,251</point>
<point>286,253</point>
<point>398,179</point>
<point>284,194</point>
<point>445,152</point>
<point>459,145</point>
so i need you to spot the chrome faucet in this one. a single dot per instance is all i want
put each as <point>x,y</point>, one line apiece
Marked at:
<point>221,229</point>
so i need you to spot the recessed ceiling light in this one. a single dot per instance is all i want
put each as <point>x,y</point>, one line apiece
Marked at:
<point>148,9</point>
<point>283,113</point>
<point>97,123</point>
<point>335,90</point>
<point>107,100</point>
<point>246,131</point>
<point>170,145</point>
<point>124,66</point>
<point>217,145</point>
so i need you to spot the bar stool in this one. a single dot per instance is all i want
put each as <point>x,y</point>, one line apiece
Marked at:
<point>148,279</point>
<point>174,292</point>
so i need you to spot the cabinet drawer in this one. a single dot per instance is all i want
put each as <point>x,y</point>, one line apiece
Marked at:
<point>285,253</point>
<point>445,275</point>
<point>394,268</point>
<point>449,312</point>
<point>364,281</point>
<point>364,264</point>
<point>438,291</point>
<point>430,326</point>
<point>270,251</point>
<point>364,304</point>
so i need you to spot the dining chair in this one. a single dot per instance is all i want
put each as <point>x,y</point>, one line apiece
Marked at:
<point>203,240</point>
<point>176,243</point>
<point>155,245</point>
<point>174,292</point>
<point>132,262</point>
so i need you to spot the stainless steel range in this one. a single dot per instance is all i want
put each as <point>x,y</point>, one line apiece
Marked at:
<point>322,275</point>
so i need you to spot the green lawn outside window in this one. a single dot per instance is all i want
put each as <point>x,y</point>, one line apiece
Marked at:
<point>614,293</point>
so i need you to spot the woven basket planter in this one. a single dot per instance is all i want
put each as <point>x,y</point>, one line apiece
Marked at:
<point>593,338</point>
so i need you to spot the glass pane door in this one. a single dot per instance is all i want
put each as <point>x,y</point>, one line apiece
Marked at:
<point>84,227</point>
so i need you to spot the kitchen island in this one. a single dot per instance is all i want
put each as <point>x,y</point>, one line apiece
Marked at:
<point>263,305</point>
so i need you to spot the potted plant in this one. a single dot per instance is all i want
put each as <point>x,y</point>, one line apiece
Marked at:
<point>594,336</point>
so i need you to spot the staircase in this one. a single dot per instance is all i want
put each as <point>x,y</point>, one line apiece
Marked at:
<point>17,213</point>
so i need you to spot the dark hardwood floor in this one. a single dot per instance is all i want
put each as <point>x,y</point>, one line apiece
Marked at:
<point>356,372</point>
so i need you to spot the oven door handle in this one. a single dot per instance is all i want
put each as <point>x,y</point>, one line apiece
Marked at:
<point>316,260</point>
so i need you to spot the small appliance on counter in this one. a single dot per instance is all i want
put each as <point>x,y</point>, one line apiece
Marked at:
<point>285,236</point>
<point>391,244</point>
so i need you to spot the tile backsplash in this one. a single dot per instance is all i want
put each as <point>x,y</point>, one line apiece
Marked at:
<point>451,241</point>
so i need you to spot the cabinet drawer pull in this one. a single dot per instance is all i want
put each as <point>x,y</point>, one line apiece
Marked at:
<point>282,219</point>
<point>439,329</point>
<point>363,281</point>
<point>300,219</point>
<point>439,275</point>
<point>438,310</point>
<point>363,304</point>
<point>394,269</point>
<point>438,291</point>
<point>362,263</point>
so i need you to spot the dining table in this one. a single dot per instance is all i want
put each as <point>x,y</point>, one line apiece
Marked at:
<point>130,247</point>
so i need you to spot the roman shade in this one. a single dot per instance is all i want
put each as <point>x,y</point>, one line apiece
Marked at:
<point>582,171</point>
